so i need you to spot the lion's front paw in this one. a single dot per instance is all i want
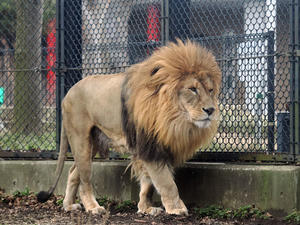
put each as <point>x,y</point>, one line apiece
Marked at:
<point>72,207</point>
<point>176,208</point>
<point>99,210</point>
<point>153,211</point>
<point>181,212</point>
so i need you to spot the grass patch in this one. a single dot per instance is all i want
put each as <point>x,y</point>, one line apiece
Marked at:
<point>212,212</point>
<point>60,201</point>
<point>293,217</point>
<point>117,206</point>
<point>247,212</point>
<point>26,192</point>
<point>125,205</point>
<point>17,141</point>
<point>103,201</point>
<point>218,212</point>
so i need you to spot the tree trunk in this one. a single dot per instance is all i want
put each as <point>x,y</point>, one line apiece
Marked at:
<point>28,59</point>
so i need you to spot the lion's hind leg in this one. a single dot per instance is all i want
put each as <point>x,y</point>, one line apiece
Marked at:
<point>82,152</point>
<point>71,190</point>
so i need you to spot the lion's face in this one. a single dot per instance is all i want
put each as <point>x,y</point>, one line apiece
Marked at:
<point>197,100</point>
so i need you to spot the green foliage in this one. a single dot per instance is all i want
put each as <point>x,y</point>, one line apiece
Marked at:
<point>7,19</point>
<point>213,212</point>
<point>127,204</point>
<point>116,206</point>
<point>26,192</point>
<point>16,141</point>
<point>218,212</point>
<point>103,201</point>
<point>49,14</point>
<point>60,201</point>
<point>293,217</point>
<point>125,156</point>
<point>247,212</point>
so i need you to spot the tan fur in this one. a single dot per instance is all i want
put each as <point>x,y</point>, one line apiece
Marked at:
<point>171,105</point>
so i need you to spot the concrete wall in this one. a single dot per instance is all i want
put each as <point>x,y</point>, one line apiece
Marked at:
<point>274,188</point>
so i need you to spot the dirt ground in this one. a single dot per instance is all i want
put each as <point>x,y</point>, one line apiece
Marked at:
<point>23,208</point>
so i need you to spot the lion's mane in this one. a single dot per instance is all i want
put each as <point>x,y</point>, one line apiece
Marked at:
<point>151,117</point>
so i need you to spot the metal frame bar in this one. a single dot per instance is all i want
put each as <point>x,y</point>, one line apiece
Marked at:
<point>164,21</point>
<point>59,66</point>
<point>264,157</point>
<point>297,78</point>
<point>271,89</point>
<point>292,72</point>
<point>294,78</point>
<point>28,155</point>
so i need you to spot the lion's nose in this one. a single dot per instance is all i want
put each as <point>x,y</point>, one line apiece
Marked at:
<point>209,111</point>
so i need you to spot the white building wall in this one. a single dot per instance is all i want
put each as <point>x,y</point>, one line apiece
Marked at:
<point>259,17</point>
<point>105,31</point>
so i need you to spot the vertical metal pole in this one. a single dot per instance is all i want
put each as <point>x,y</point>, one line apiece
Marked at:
<point>68,52</point>
<point>164,21</point>
<point>271,108</point>
<point>167,21</point>
<point>58,71</point>
<point>62,50</point>
<point>292,78</point>
<point>297,78</point>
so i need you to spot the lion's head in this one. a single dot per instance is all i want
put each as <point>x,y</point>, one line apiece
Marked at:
<point>171,102</point>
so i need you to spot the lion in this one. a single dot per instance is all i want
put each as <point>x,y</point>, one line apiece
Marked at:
<point>161,110</point>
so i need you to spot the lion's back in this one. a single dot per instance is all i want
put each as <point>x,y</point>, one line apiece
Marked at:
<point>96,100</point>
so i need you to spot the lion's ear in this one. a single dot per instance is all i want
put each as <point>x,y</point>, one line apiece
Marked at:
<point>154,71</point>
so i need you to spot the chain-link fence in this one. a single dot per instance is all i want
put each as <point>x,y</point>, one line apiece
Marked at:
<point>27,75</point>
<point>256,43</point>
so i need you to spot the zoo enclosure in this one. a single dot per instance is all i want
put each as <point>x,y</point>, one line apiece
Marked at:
<point>47,46</point>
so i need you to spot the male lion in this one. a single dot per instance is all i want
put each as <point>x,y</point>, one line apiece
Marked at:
<point>163,109</point>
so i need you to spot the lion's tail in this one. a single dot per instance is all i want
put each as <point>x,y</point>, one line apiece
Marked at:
<point>43,196</point>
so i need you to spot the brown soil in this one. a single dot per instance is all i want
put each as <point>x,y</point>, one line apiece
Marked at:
<point>26,210</point>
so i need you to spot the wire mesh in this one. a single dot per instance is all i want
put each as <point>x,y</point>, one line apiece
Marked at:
<point>27,75</point>
<point>250,39</point>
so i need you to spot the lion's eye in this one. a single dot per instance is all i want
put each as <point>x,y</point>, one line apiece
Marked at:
<point>155,70</point>
<point>193,89</point>
<point>211,90</point>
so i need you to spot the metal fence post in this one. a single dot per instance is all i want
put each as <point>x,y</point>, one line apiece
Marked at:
<point>292,72</point>
<point>59,67</point>
<point>297,78</point>
<point>294,78</point>
<point>68,52</point>
<point>164,21</point>
<point>271,94</point>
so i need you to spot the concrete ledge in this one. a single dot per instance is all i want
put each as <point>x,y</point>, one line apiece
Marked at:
<point>273,188</point>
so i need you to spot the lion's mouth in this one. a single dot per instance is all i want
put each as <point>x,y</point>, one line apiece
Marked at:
<point>203,123</point>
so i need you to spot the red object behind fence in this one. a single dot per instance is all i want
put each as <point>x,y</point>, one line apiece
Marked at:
<point>153,31</point>
<point>51,59</point>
